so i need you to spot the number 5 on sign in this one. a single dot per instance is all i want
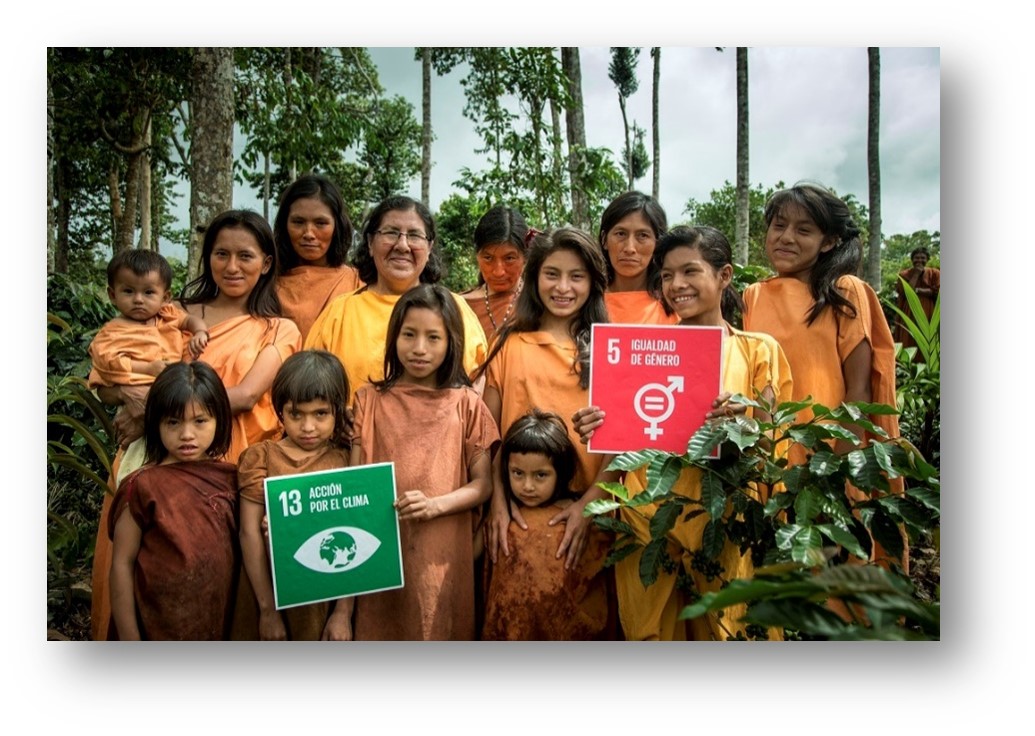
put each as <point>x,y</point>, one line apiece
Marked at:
<point>654,383</point>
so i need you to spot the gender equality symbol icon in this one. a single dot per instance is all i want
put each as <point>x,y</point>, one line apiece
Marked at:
<point>654,403</point>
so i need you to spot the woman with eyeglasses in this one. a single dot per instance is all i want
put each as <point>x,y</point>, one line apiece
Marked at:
<point>398,253</point>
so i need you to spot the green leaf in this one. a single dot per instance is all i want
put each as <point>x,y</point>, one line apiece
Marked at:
<point>864,472</point>
<point>662,473</point>
<point>824,462</point>
<point>809,617</point>
<point>744,432</point>
<point>807,506</point>
<point>600,506</point>
<point>713,497</point>
<point>883,457</point>
<point>615,489</point>
<point>712,539</point>
<point>663,521</point>
<point>807,547</point>
<point>632,460</point>
<point>930,499</point>
<point>611,524</point>
<point>837,535</point>
<point>650,562</point>
<point>886,533</point>
<point>785,535</point>
<point>787,411</point>
<point>902,508</point>
<point>705,440</point>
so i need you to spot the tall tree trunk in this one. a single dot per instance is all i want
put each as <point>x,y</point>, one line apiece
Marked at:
<point>558,158</point>
<point>51,215</point>
<point>63,214</point>
<point>743,179</point>
<point>266,185</point>
<point>628,145</point>
<point>873,275</point>
<point>212,139</point>
<point>656,167</point>
<point>145,193</point>
<point>576,125</point>
<point>425,156</point>
<point>126,222</point>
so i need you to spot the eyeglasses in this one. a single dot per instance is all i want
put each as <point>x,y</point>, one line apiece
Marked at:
<point>414,238</point>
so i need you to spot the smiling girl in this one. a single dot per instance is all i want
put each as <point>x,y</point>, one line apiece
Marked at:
<point>541,359</point>
<point>426,418</point>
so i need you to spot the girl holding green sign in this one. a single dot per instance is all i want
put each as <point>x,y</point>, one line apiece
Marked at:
<point>309,395</point>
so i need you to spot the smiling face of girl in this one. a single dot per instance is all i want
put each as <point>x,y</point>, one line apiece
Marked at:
<point>794,242</point>
<point>564,285</point>
<point>237,262</point>
<point>693,287</point>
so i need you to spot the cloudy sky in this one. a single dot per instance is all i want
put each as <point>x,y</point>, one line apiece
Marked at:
<point>808,116</point>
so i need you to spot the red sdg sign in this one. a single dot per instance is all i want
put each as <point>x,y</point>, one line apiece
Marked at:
<point>655,383</point>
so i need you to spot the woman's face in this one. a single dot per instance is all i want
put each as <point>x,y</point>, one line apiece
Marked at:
<point>630,244</point>
<point>501,265</point>
<point>237,262</point>
<point>399,265</point>
<point>310,226</point>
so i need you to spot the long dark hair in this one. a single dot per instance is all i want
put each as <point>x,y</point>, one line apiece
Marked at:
<point>714,248</point>
<point>438,299</point>
<point>529,308</point>
<point>179,385</point>
<point>834,220</point>
<point>263,301</point>
<point>364,262</point>
<point>312,186</point>
<point>621,207</point>
<point>544,433</point>
<point>315,375</point>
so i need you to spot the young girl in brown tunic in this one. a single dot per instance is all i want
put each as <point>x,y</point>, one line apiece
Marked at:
<point>529,595</point>
<point>425,417</point>
<point>309,395</point>
<point>174,550</point>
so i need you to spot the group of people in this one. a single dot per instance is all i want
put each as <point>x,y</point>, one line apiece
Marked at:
<point>282,357</point>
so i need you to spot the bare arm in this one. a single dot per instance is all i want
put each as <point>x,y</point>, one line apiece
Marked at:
<point>498,523</point>
<point>199,334</point>
<point>258,380</point>
<point>339,623</point>
<point>125,547</point>
<point>129,421</point>
<point>857,369</point>
<point>415,505</point>
<point>253,552</point>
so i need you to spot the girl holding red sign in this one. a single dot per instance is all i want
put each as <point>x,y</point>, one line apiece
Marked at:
<point>694,271</point>
<point>541,359</point>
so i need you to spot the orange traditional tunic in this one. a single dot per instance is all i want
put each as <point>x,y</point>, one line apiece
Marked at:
<point>750,362</point>
<point>355,326</point>
<point>232,348</point>
<point>433,436</point>
<point>121,341</point>
<point>778,307</point>
<point>529,596</point>
<point>533,370</point>
<point>269,459</point>
<point>636,308</point>
<point>305,291</point>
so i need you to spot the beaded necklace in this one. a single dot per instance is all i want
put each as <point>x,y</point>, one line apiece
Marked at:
<point>510,307</point>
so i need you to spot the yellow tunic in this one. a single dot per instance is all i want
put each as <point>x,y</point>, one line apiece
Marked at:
<point>355,326</point>
<point>750,362</point>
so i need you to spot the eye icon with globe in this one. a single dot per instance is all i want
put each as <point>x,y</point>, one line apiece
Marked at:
<point>337,549</point>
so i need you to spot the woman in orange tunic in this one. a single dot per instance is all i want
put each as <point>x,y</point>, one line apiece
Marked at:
<point>629,230</point>
<point>500,247</point>
<point>313,235</point>
<point>248,341</point>
<point>829,322</point>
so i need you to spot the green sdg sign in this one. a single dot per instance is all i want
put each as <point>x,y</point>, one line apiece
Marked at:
<point>333,533</point>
